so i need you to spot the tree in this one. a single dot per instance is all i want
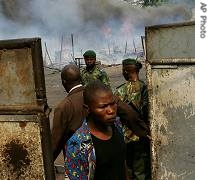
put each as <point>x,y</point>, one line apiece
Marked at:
<point>146,3</point>
<point>153,2</point>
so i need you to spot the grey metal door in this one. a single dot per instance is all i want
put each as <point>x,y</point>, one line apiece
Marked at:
<point>25,143</point>
<point>171,83</point>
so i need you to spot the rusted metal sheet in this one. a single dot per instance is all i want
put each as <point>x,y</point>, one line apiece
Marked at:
<point>171,43</point>
<point>25,143</point>
<point>21,152</point>
<point>17,86</point>
<point>21,73</point>
<point>171,87</point>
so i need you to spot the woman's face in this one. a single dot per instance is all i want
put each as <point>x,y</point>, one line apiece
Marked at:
<point>127,70</point>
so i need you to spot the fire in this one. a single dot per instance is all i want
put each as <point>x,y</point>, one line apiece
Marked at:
<point>107,31</point>
<point>127,27</point>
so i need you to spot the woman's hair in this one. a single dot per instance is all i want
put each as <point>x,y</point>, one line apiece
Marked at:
<point>130,61</point>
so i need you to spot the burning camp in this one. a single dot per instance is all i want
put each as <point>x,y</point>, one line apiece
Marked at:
<point>39,39</point>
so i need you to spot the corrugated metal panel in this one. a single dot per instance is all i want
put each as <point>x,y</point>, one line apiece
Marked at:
<point>172,107</point>
<point>25,141</point>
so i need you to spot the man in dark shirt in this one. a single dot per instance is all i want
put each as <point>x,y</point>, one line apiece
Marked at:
<point>97,149</point>
<point>70,112</point>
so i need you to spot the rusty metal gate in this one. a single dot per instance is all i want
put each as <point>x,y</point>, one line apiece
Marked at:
<point>25,143</point>
<point>171,83</point>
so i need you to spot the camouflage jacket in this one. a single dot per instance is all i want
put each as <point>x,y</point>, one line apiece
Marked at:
<point>136,95</point>
<point>96,73</point>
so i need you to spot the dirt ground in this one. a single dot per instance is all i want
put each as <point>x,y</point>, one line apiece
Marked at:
<point>55,93</point>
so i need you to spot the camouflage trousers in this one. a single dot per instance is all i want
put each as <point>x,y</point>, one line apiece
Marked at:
<point>138,160</point>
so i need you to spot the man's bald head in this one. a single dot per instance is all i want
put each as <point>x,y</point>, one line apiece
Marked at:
<point>70,76</point>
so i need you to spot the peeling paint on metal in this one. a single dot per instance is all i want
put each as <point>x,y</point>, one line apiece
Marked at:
<point>17,84</point>
<point>20,151</point>
<point>171,84</point>
<point>25,143</point>
<point>173,119</point>
<point>174,42</point>
<point>169,175</point>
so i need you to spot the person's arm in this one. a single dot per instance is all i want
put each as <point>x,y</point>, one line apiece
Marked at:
<point>144,104</point>
<point>126,172</point>
<point>58,131</point>
<point>131,118</point>
<point>104,78</point>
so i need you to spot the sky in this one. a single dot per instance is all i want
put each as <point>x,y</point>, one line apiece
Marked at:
<point>93,24</point>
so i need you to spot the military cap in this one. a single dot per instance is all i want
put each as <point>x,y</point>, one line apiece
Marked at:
<point>131,61</point>
<point>89,53</point>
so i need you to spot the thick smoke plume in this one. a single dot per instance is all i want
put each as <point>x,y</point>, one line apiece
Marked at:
<point>95,24</point>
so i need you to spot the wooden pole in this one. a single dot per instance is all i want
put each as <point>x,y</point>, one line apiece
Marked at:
<point>134,46</point>
<point>72,43</point>
<point>109,48</point>
<point>143,45</point>
<point>47,54</point>
<point>126,47</point>
<point>61,51</point>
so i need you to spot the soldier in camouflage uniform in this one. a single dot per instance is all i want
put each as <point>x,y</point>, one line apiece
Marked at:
<point>134,92</point>
<point>91,71</point>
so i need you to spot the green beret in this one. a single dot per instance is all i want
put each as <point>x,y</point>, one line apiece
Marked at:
<point>90,53</point>
<point>130,61</point>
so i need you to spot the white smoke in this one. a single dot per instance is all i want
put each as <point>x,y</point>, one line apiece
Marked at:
<point>95,24</point>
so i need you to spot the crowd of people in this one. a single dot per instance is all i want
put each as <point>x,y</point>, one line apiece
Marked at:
<point>104,135</point>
